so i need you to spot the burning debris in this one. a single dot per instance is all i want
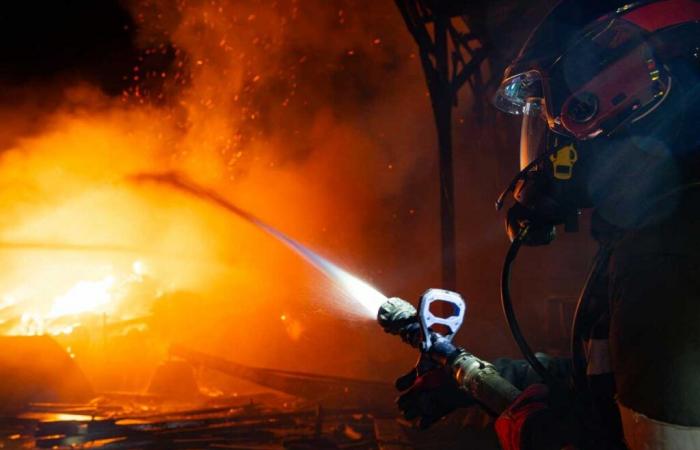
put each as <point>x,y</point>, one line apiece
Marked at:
<point>329,392</point>
<point>56,407</point>
<point>241,425</point>
<point>305,411</point>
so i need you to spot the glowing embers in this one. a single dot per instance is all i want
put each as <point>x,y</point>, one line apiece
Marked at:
<point>292,327</point>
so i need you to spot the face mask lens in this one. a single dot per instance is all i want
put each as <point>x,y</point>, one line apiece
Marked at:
<point>532,133</point>
<point>513,94</point>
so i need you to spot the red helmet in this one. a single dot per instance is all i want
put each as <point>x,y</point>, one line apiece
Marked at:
<point>597,74</point>
<point>595,66</point>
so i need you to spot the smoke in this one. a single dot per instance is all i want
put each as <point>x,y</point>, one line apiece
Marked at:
<point>312,115</point>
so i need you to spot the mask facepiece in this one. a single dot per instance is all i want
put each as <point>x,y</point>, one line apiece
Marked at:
<point>547,162</point>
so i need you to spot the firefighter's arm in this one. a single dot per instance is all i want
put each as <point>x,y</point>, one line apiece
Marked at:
<point>526,420</point>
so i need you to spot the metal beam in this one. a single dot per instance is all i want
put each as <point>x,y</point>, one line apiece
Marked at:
<point>448,63</point>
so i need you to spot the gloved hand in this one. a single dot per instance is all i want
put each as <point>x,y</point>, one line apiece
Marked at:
<point>427,398</point>
<point>529,423</point>
<point>540,232</point>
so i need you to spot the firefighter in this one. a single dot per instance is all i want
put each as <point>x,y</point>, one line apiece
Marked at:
<point>609,97</point>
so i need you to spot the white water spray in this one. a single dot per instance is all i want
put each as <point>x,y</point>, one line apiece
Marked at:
<point>367,299</point>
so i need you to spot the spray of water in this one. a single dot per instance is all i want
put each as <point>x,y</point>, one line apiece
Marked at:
<point>367,299</point>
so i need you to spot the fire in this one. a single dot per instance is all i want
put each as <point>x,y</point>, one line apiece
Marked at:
<point>106,295</point>
<point>84,296</point>
<point>30,324</point>
<point>258,104</point>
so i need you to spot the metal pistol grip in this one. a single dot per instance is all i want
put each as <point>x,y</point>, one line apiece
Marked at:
<point>428,319</point>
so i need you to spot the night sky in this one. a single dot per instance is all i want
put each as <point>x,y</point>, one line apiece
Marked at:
<point>65,38</point>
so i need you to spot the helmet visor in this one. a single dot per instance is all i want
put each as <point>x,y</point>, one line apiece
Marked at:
<point>533,132</point>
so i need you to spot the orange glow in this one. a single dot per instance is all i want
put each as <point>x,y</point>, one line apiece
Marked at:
<point>293,328</point>
<point>257,104</point>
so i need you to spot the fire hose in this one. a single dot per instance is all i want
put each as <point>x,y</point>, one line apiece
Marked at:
<point>479,378</point>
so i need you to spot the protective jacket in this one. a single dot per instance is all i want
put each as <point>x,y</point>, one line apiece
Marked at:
<point>634,375</point>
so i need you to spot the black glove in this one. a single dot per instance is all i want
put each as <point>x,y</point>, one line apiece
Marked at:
<point>427,398</point>
<point>540,231</point>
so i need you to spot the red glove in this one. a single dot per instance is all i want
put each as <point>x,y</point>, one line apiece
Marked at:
<point>428,398</point>
<point>529,411</point>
